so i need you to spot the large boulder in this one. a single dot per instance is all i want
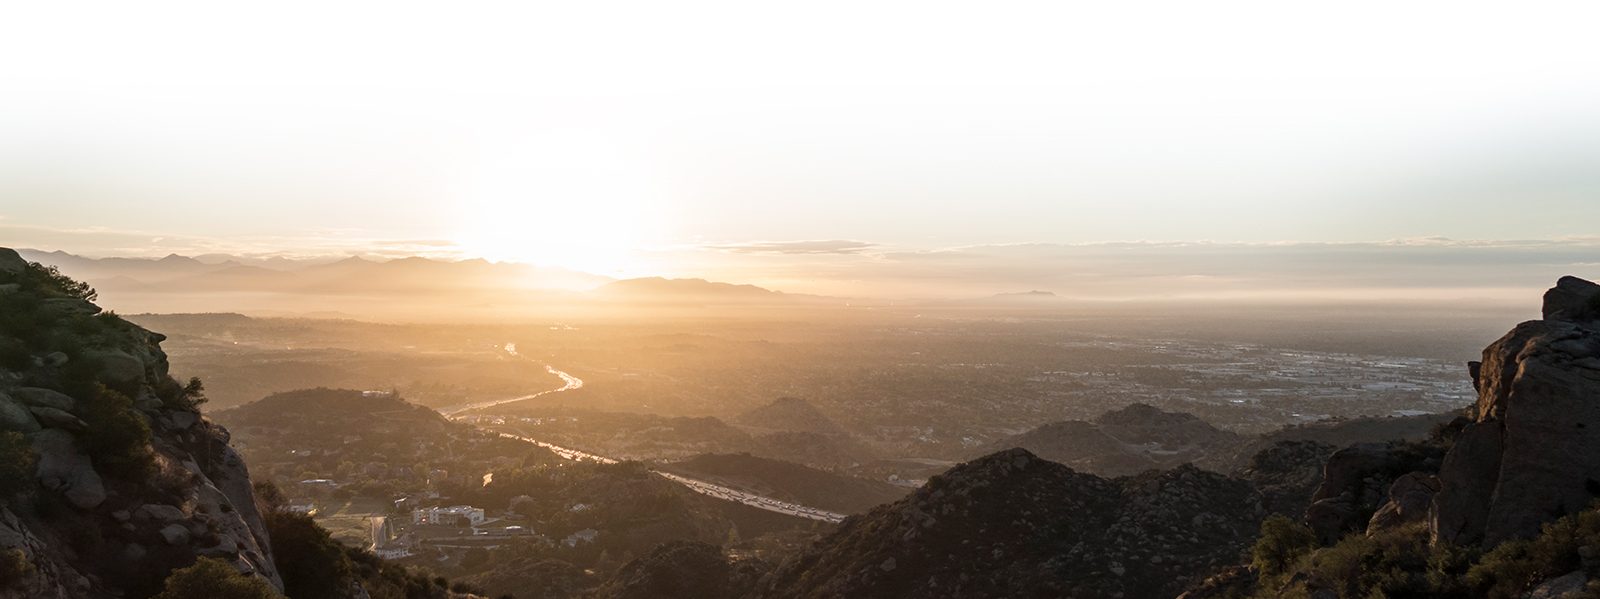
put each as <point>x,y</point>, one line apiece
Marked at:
<point>63,469</point>
<point>1569,586</point>
<point>1410,498</point>
<point>47,398</point>
<point>117,366</point>
<point>16,417</point>
<point>11,262</point>
<point>68,306</point>
<point>159,513</point>
<point>1572,299</point>
<point>61,419</point>
<point>1356,483</point>
<point>1532,454</point>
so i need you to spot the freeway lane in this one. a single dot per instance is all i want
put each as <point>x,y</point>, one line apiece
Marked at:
<point>698,486</point>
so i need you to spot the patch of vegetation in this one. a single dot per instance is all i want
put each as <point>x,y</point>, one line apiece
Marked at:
<point>189,396</point>
<point>1515,567</point>
<point>315,566</point>
<point>34,323</point>
<point>1391,564</point>
<point>1282,543</point>
<point>1402,563</point>
<point>212,578</point>
<point>16,464</point>
<point>312,564</point>
<point>118,439</point>
<point>50,277</point>
<point>386,580</point>
<point>14,567</point>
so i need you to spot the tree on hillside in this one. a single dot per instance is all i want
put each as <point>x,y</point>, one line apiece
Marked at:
<point>213,578</point>
<point>312,564</point>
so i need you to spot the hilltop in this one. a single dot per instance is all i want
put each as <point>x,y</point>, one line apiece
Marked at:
<point>1140,437</point>
<point>1013,525</point>
<point>1126,441</point>
<point>790,414</point>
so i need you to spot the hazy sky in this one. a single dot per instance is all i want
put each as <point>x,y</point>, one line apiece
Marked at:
<point>607,136</point>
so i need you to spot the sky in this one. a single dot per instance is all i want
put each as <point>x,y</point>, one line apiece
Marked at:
<point>768,142</point>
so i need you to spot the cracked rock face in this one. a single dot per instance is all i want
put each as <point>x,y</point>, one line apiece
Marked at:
<point>109,533</point>
<point>1532,454</point>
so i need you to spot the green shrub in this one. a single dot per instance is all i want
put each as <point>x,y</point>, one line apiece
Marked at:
<point>213,579</point>
<point>193,395</point>
<point>50,277</point>
<point>118,439</point>
<point>312,564</point>
<point>16,464</point>
<point>1516,566</point>
<point>1282,542</point>
<point>1392,564</point>
<point>14,567</point>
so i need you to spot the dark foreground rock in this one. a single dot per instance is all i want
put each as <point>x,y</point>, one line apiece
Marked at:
<point>107,435</point>
<point>1532,452</point>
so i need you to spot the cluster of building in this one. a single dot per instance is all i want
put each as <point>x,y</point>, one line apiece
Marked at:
<point>455,515</point>
<point>454,527</point>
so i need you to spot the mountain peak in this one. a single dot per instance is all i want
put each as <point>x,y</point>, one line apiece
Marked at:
<point>1010,524</point>
<point>1001,463</point>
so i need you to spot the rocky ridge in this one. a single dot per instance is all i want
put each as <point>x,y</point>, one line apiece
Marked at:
<point>129,480</point>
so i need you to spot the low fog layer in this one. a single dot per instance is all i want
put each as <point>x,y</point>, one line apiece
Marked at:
<point>840,274</point>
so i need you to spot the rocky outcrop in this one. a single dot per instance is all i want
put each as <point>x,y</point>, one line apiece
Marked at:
<point>1568,586</point>
<point>1013,525</point>
<point>15,417</point>
<point>63,469</point>
<point>1571,300</point>
<point>1532,452</point>
<point>1410,498</point>
<point>1356,483</point>
<point>1287,474</point>
<point>131,481</point>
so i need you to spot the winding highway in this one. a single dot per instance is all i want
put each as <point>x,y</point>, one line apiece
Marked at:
<point>696,485</point>
<point>571,382</point>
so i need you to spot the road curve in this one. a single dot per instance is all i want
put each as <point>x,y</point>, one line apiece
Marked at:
<point>571,382</point>
<point>696,485</point>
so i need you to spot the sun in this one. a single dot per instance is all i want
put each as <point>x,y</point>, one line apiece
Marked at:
<point>580,209</point>
<point>587,236</point>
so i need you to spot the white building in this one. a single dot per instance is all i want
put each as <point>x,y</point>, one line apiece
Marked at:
<point>587,535</point>
<point>455,515</point>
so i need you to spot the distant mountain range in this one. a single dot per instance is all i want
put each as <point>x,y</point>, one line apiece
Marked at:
<point>404,286</point>
<point>218,272</point>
